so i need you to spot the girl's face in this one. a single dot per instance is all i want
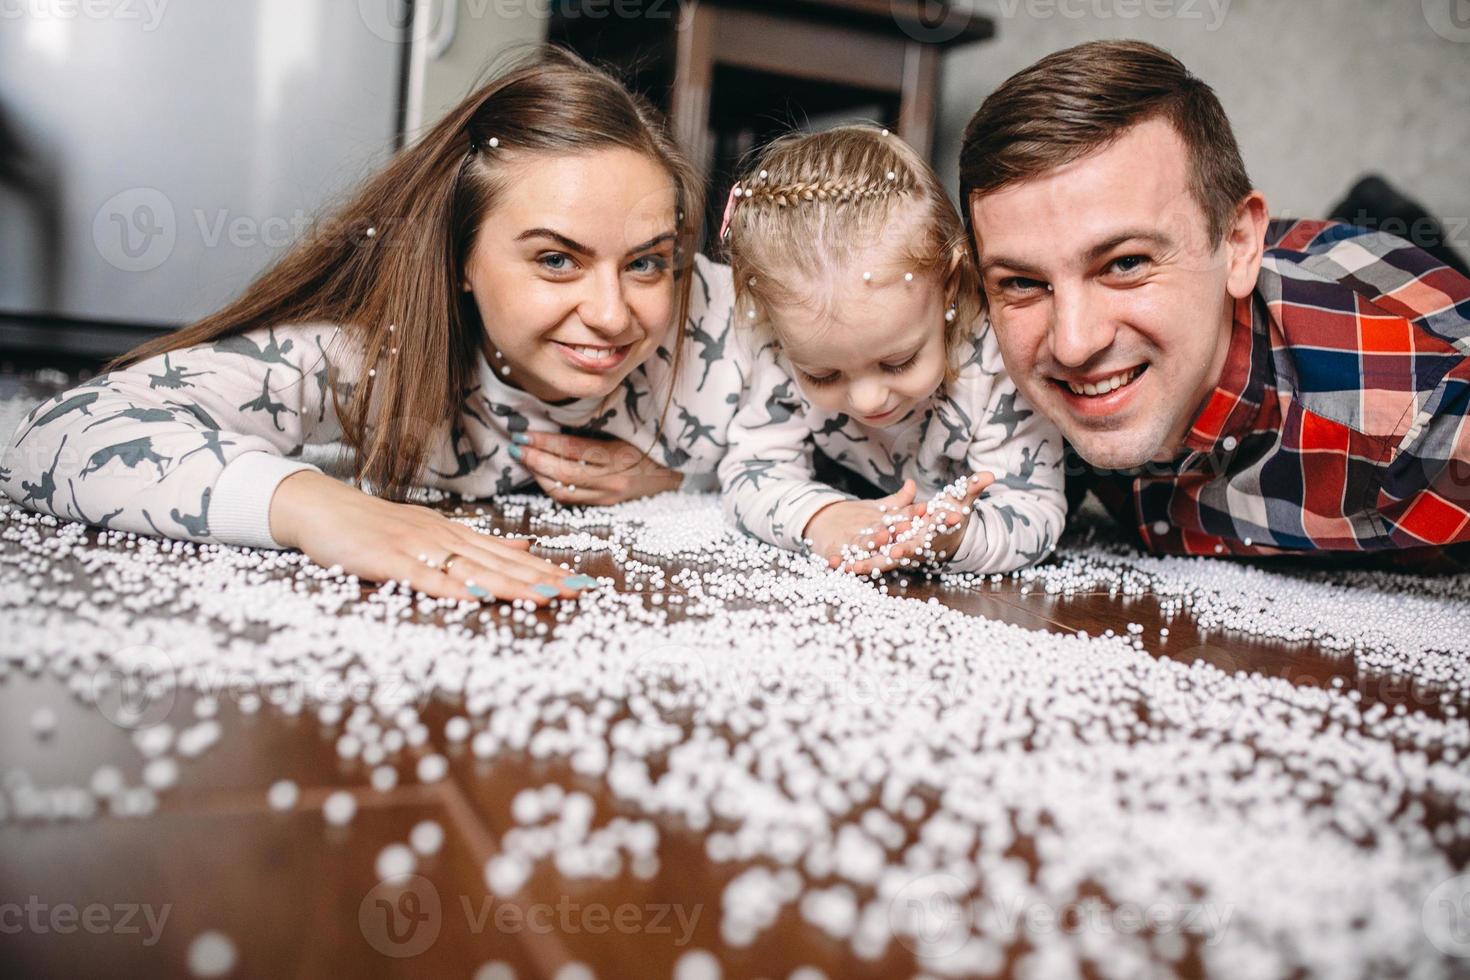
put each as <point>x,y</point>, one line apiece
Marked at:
<point>572,270</point>
<point>875,350</point>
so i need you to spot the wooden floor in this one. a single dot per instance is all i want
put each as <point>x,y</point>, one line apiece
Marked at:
<point>298,898</point>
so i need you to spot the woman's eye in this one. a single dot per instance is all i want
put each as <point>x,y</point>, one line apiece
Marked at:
<point>649,264</point>
<point>555,261</point>
<point>819,382</point>
<point>900,368</point>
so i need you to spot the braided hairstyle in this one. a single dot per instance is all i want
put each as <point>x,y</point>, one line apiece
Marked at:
<point>811,203</point>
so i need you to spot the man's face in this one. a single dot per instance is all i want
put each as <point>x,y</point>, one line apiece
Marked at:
<point>1111,303</point>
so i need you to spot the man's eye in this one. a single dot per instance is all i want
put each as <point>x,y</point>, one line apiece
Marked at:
<point>821,381</point>
<point>1020,284</point>
<point>1128,263</point>
<point>555,261</point>
<point>900,368</point>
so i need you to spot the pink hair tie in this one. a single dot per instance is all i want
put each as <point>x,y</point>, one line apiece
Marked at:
<point>730,203</point>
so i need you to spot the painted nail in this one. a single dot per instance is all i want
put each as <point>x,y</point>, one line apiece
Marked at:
<point>549,591</point>
<point>520,439</point>
<point>515,452</point>
<point>579,581</point>
<point>478,591</point>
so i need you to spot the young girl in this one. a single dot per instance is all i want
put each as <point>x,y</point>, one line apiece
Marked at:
<point>850,260</point>
<point>500,305</point>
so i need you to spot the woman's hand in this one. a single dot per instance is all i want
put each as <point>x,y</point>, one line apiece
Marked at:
<point>578,470</point>
<point>375,539</point>
<point>857,524</point>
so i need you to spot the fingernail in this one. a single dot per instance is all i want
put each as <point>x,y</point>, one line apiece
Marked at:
<point>478,591</point>
<point>515,452</point>
<point>579,581</point>
<point>549,591</point>
<point>520,439</point>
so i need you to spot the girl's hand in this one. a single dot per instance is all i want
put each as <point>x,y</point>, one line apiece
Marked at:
<point>937,525</point>
<point>578,470</point>
<point>337,524</point>
<point>855,523</point>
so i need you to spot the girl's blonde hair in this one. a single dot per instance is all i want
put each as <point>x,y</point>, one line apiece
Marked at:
<point>811,201</point>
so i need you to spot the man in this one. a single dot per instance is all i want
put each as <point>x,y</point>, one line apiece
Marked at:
<point>1234,384</point>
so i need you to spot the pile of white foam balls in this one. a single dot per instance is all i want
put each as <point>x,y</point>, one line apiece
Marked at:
<point>886,769</point>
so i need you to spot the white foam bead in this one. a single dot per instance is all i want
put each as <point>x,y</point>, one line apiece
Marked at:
<point>697,964</point>
<point>283,795</point>
<point>339,808</point>
<point>395,861</point>
<point>495,970</point>
<point>432,768</point>
<point>212,954</point>
<point>161,773</point>
<point>427,837</point>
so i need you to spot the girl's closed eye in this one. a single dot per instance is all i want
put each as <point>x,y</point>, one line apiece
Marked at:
<point>903,366</point>
<point>818,381</point>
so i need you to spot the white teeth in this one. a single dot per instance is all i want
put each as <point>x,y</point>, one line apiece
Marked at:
<point>596,353</point>
<point>1104,386</point>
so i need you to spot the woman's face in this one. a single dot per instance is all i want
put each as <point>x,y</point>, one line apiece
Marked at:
<point>572,270</point>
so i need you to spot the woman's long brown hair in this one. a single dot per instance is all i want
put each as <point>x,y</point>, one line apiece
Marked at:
<point>423,210</point>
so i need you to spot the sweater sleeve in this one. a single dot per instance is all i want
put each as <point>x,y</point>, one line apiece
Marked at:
<point>190,444</point>
<point>766,475</point>
<point>1019,518</point>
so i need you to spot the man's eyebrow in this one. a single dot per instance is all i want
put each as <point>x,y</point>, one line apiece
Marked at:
<point>1130,235</point>
<point>572,245</point>
<point>1015,265</point>
<point>1095,252</point>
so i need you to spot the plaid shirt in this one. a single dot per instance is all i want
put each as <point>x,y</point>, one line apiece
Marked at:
<point>1339,421</point>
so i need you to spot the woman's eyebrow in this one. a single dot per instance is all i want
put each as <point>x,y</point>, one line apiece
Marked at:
<point>569,244</point>
<point>572,245</point>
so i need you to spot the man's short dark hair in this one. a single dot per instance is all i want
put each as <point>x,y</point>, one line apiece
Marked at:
<point>1075,101</point>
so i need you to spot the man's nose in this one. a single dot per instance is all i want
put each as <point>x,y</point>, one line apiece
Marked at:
<point>1079,331</point>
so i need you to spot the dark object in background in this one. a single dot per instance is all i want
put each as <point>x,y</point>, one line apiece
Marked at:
<point>1374,203</point>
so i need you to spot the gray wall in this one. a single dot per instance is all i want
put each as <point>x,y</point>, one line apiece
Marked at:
<point>1318,91</point>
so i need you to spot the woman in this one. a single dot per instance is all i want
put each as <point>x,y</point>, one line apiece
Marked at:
<point>517,275</point>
